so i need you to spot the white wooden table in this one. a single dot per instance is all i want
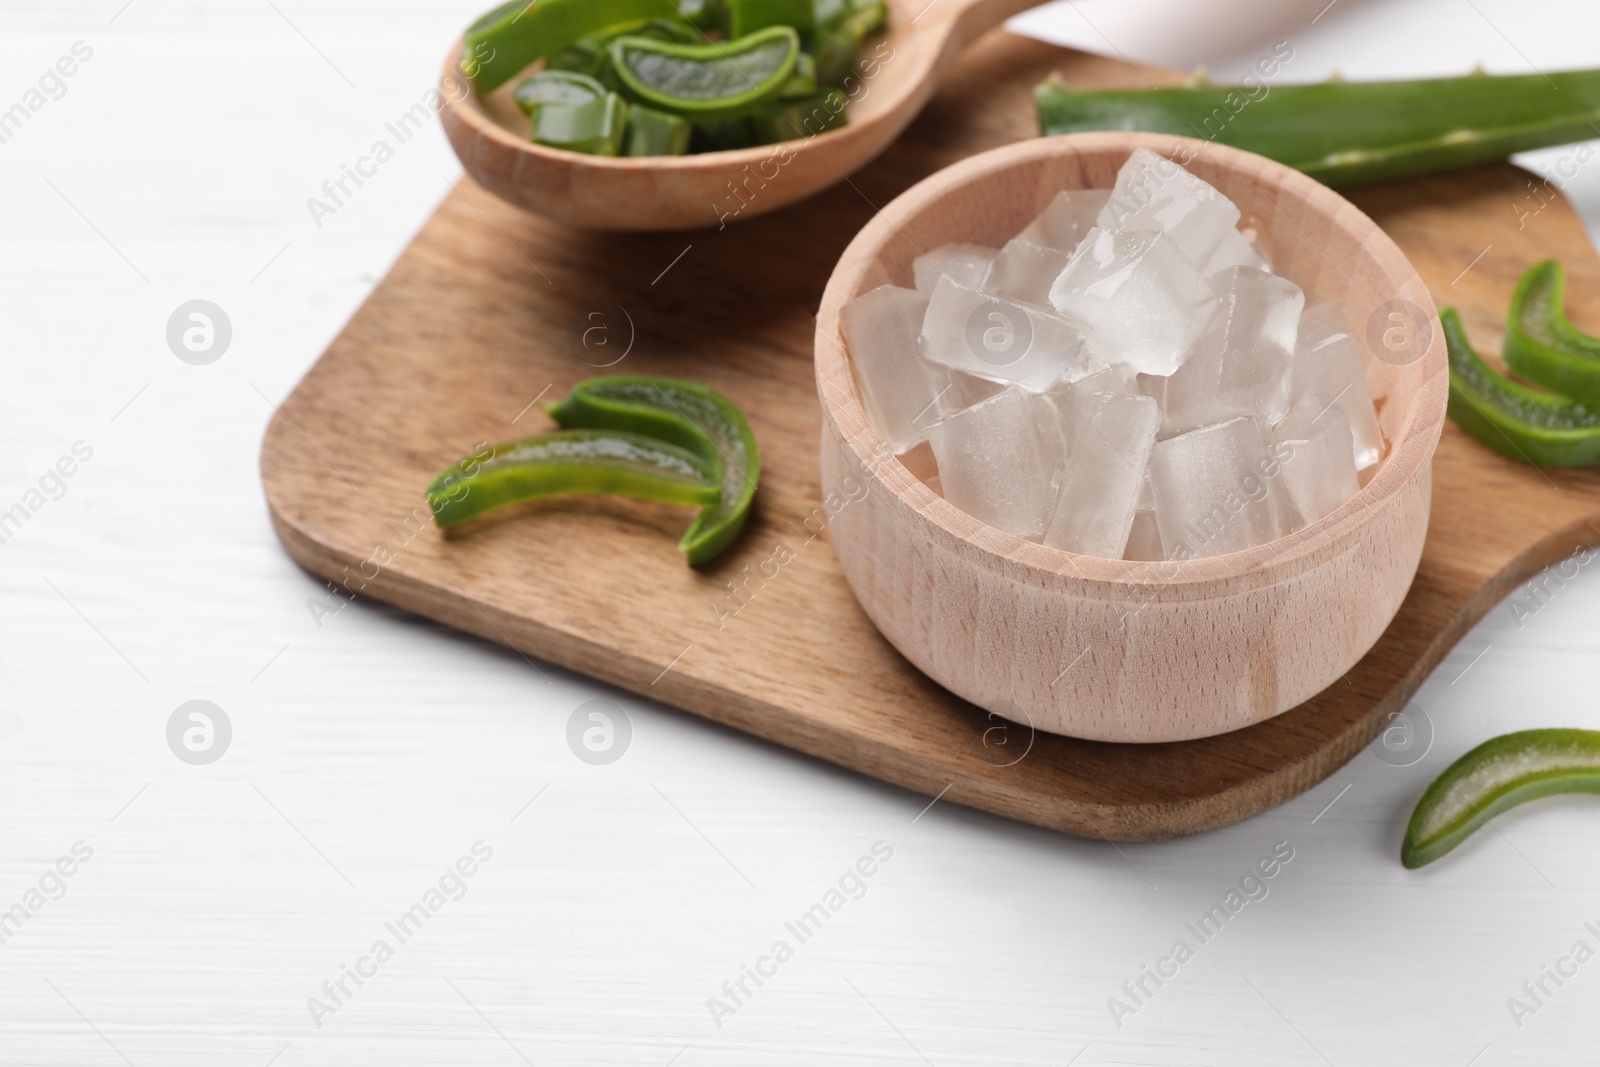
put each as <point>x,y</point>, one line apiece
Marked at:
<point>212,910</point>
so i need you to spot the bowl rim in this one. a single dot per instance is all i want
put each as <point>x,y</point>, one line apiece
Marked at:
<point>1409,456</point>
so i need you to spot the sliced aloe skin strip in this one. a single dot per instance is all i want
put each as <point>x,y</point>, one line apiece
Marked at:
<point>695,418</point>
<point>1543,346</point>
<point>1514,420</point>
<point>498,46</point>
<point>1494,777</point>
<point>574,461</point>
<point>1344,133</point>
<point>709,81</point>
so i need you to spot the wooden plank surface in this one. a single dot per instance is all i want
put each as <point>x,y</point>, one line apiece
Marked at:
<point>488,308</point>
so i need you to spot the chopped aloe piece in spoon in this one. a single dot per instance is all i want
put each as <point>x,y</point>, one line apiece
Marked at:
<point>1495,777</point>
<point>709,81</point>
<point>747,16</point>
<point>803,82</point>
<point>1523,423</point>
<point>1543,346</point>
<point>595,128</point>
<point>664,30</point>
<point>798,119</point>
<point>837,54</point>
<point>839,45</point>
<point>557,87</point>
<point>573,461</point>
<point>828,14</point>
<point>724,135</point>
<point>867,17</point>
<point>586,56</point>
<point>655,133</point>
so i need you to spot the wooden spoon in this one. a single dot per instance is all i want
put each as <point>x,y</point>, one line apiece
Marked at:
<point>899,73</point>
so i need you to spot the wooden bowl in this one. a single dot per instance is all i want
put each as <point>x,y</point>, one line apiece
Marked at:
<point>897,77</point>
<point>1123,651</point>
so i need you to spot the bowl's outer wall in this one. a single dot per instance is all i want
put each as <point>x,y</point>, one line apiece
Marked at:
<point>1102,649</point>
<point>1036,649</point>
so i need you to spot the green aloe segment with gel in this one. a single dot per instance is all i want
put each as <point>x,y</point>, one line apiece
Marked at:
<point>568,462</point>
<point>709,81</point>
<point>691,416</point>
<point>557,87</point>
<point>655,133</point>
<point>596,127</point>
<point>1543,346</point>
<point>1494,777</point>
<point>1525,424</point>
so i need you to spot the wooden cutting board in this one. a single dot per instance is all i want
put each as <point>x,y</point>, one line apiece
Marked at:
<point>489,308</point>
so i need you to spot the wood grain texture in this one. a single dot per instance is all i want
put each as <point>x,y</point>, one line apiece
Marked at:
<point>1123,651</point>
<point>482,314</point>
<point>898,76</point>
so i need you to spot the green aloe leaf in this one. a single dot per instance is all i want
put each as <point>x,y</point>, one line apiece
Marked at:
<point>1345,133</point>
<point>1494,777</point>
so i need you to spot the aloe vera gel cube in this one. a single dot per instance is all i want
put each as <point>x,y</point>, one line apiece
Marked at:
<point>966,265</point>
<point>1153,193</point>
<point>1104,475</point>
<point>999,339</point>
<point>1126,377</point>
<point>880,328</point>
<point>992,465</point>
<point>1141,299</point>
<point>1313,447</point>
<point>1212,492</point>
<point>1024,271</point>
<point>1067,221</point>
<point>1327,363</point>
<point>1240,364</point>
